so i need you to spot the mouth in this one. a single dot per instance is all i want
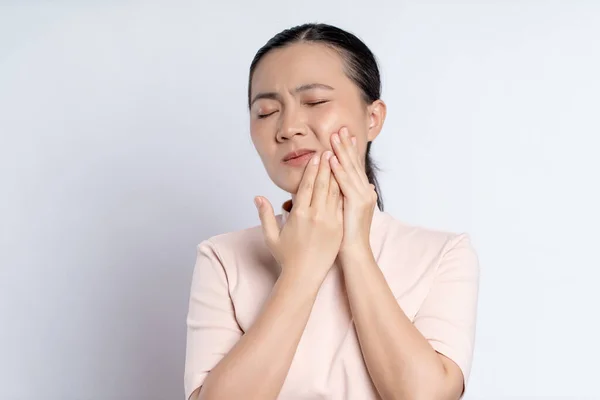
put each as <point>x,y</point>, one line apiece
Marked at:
<point>299,157</point>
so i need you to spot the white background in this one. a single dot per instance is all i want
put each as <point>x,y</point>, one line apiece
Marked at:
<point>125,142</point>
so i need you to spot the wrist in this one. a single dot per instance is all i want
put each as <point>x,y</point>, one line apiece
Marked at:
<point>298,277</point>
<point>355,252</point>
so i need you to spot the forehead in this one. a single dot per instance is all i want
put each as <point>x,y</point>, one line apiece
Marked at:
<point>299,63</point>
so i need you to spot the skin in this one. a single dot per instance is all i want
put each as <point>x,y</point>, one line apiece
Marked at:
<point>329,223</point>
<point>294,122</point>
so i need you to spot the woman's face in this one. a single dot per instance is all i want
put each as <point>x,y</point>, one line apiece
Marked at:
<point>300,96</point>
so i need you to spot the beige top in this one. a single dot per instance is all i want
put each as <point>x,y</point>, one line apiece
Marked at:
<point>434,276</point>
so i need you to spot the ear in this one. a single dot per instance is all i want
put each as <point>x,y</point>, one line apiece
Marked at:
<point>376,116</point>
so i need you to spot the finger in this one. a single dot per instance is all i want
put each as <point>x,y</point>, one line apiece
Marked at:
<point>304,194</point>
<point>341,146</point>
<point>360,164</point>
<point>354,150</point>
<point>319,196</point>
<point>347,185</point>
<point>348,143</point>
<point>267,219</point>
<point>334,195</point>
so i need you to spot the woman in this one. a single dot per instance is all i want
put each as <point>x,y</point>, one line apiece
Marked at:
<point>334,298</point>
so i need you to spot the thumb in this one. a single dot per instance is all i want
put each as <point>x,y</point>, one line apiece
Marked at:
<point>267,219</point>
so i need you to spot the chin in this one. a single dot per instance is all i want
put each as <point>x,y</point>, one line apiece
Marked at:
<point>288,184</point>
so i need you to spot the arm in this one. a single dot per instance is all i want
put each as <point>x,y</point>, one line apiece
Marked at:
<point>223,366</point>
<point>257,365</point>
<point>221,361</point>
<point>403,358</point>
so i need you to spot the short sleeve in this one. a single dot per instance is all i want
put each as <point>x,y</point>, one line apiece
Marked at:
<point>448,314</point>
<point>212,329</point>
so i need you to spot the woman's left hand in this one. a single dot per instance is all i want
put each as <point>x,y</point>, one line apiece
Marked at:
<point>360,198</point>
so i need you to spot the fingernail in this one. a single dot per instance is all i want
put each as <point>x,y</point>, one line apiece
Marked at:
<point>257,202</point>
<point>344,131</point>
<point>336,138</point>
<point>315,160</point>
<point>353,140</point>
<point>327,155</point>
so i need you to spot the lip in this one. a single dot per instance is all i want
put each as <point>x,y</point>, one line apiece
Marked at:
<point>298,153</point>
<point>298,157</point>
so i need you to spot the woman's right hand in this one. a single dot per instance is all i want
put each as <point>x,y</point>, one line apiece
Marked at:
<point>309,241</point>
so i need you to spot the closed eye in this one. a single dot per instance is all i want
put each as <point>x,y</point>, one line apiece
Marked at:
<point>311,104</point>
<point>261,116</point>
<point>316,103</point>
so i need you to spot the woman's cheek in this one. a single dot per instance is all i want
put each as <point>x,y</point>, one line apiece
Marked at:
<point>261,144</point>
<point>327,122</point>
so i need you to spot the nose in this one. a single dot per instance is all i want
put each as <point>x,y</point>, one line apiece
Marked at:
<point>292,124</point>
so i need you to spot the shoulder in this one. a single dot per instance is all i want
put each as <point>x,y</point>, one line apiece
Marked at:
<point>229,243</point>
<point>243,251</point>
<point>423,240</point>
<point>416,255</point>
<point>236,244</point>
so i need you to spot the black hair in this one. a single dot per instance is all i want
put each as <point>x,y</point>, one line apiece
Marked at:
<point>359,62</point>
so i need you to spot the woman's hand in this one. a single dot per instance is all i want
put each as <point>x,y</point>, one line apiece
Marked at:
<point>359,196</point>
<point>309,241</point>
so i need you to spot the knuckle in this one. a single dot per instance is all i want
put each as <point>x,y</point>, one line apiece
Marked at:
<point>307,186</point>
<point>364,202</point>
<point>299,212</point>
<point>322,218</point>
<point>316,217</point>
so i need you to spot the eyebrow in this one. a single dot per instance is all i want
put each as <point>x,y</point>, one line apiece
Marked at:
<point>301,88</point>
